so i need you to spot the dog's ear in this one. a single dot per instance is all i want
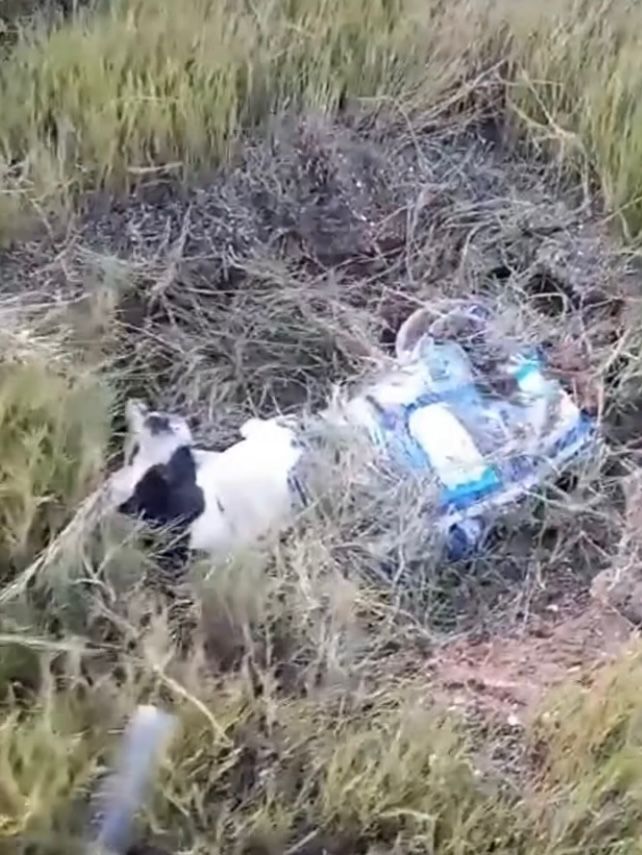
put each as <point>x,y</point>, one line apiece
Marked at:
<point>150,499</point>
<point>180,469</point>
<point>135,413</point>
<point>168,493</point>
<point>186,497</point>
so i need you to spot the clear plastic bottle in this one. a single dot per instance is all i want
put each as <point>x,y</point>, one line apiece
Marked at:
<point>450,376</point>
<point>419,413</point>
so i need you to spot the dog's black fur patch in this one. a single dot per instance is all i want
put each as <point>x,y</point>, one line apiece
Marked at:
<point>167,494</point>
<point>157,424</point>
<point>134,451</point>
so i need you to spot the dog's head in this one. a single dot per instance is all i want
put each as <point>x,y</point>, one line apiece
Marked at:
<point>158,478</point>
<point>153,436</point>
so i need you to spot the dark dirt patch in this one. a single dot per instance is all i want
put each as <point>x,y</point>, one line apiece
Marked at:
<point>292,269</point>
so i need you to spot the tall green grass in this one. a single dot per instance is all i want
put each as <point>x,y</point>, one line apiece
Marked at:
<point>141,85</point>
<point>576,82</point>
<point>110,95</point>
<point>53,431</point>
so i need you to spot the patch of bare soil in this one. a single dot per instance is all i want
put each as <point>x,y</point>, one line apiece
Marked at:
<point>506,676</point>
<point>292,269</point>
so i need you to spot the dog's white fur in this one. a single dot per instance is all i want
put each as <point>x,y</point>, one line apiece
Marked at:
<point>246,487</point>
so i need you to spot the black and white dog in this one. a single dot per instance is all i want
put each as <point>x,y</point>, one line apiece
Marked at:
<point>222,500</point>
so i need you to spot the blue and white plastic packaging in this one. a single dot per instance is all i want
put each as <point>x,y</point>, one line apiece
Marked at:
<point>484,449</point>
